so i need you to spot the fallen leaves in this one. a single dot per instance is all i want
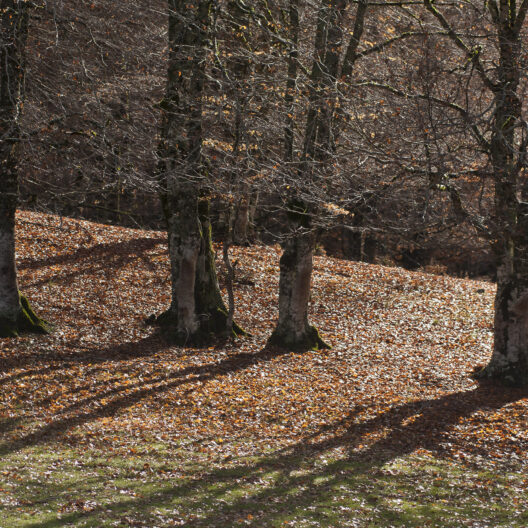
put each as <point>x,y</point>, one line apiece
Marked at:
<point>397,380</point>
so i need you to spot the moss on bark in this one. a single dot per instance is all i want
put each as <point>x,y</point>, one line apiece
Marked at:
<point>211,310</point>
<point>26,321</point>
<point>212,327</point>
<point>310,340</point>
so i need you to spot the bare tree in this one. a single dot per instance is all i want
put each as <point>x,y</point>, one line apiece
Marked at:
<point>470,138</point>
<point>197,312</point>
<point>501,136</point>
<point>16,314</point>
<point>333,58</point>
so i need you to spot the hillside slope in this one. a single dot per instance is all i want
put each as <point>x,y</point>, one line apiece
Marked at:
<point>402,341</point>
<point>227,435</point>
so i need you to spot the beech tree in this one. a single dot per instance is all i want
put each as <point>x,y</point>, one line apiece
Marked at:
<point>333,59</point>
<point>501,138</point>
<point>474,140</point>
<point>16,314</point>
<point>197,312</point>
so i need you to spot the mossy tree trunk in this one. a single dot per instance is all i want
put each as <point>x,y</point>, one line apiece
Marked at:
<point>211,309</point>
<point>15,313</point>
<point>197,309</point>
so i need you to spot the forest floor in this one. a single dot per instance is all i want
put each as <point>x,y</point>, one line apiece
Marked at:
<point>103,424</point>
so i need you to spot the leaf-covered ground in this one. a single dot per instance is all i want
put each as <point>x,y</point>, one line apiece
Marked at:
<point>103,424</point>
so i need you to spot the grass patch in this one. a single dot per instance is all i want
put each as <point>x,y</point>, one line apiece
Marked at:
<point>50,486</point>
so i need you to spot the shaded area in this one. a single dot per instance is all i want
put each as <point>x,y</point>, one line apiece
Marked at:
<point>115,250</point>
<point>101,256</point>
<point>302,484</point>
<point>137,391</point>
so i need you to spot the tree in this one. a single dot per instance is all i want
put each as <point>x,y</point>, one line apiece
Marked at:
<point>332,60</point>
<point>197,312</point>
<point>503,139</point>
<point>474,140</point>
<point>16,314</point>
<point>237,72</point>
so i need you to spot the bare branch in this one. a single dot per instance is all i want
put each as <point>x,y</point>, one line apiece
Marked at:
<point>521,15</point>
<point>351,52</point>
<point>447,104</point>
<point>472,54</point>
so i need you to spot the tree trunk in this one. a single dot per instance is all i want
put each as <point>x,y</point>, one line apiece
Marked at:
<point>509,361</point>
<point>197,313</point>
<point>16,316</point>
<point>184,247</point>
<point>241,221</point>
<point>293,330</point>
<point>239,72</point>
<point>210,306</point>
<point>15,313</point>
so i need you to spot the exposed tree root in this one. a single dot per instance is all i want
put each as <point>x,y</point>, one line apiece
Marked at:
<point>212,328</point>
<point>309,340</point>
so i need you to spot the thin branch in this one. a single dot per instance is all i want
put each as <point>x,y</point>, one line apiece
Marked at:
<point>351,52</point>
<point>521,15</point>
<point>472,54</point>
<point>462,214</point>
<point>382,45</point>
<point>462,111</point>
<point>494,11</point>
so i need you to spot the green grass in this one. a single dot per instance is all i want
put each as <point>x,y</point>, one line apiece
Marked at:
<point>49,485</point>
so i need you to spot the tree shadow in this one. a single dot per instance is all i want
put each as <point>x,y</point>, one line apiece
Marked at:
<point>409,427</point>
<point>26,373</point>
<point>301,486</point>
<point>122,251</point>
<point>78,353</point>
<point>126,396</point>
<point>415,425</point>
<point>88,260</point>
<point>8,424</point>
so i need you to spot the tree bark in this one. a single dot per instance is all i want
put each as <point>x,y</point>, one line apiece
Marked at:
<point>197,313</point>
<point>15,313</point>
<point>509,361</point>
<point>293,330</point>
<point>239,72</point>
<point>241,221</point>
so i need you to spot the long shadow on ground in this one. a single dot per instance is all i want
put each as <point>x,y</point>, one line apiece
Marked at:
<point>114,250</point>
<point>300,485</point>
<point>128,395</point>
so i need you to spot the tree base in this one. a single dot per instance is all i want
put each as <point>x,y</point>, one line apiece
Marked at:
<point>509,375</point>
<point>310,340</point>
<point>211,328</point>
<point>26,322</point>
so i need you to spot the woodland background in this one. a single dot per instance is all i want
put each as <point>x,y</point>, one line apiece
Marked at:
<point>96,71</point>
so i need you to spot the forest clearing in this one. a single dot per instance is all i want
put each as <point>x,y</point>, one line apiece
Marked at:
<point>105,424</point>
